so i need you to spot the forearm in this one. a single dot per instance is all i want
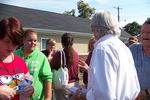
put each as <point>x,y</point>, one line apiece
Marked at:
<point>48,90</point>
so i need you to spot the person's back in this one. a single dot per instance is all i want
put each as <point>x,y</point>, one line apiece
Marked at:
<point>72,69</point>
<point>72,60</point>
<point>118,62</point>
<point>112,74</point>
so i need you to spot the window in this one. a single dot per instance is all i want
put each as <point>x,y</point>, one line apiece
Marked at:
<point>43,43</point>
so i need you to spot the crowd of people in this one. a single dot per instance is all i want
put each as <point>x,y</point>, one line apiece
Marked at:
<point>113,70</point>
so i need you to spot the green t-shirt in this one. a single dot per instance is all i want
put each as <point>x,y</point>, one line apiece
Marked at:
<point>39,68</point>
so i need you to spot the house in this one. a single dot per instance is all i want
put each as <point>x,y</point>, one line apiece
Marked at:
<point>52,25</point>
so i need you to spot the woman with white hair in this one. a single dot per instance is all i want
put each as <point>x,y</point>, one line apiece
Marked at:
<point>112,74</point>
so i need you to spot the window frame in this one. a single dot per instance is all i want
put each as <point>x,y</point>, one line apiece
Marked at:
<point>43,45</point>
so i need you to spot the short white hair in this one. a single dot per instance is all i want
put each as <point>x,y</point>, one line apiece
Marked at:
<point>105,23</point>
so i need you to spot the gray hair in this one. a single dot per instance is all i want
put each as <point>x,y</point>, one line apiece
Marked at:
<point>104,23</point>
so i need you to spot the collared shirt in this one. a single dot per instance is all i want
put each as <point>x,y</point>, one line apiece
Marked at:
<point>142,64</point>
<point>112,74</point>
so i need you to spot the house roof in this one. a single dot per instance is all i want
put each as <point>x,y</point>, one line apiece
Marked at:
<point>124,35</point>
<point>49,20</point>
<point>45,20</point>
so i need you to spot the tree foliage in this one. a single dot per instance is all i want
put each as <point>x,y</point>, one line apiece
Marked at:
<point>132,28</point>
<point>85,11</point>
<point>72,12</point>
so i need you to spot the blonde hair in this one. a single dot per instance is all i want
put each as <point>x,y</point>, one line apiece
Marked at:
<point>50,40</point>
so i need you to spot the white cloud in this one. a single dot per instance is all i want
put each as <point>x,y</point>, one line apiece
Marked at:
<point>103,1</point>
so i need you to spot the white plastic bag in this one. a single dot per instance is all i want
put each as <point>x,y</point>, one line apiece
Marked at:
<point>60,76</point>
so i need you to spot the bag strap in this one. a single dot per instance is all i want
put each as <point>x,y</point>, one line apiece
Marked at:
<point>64,58</point>
<point>62,53</point>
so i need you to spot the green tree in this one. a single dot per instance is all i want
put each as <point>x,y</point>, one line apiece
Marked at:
<point>72,12</point>
<point>132,28</point>
<point>148,18</point>
<point>85,11</point>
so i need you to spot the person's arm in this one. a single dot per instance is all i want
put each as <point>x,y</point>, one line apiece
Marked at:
<point>48,90</point>
<point>79,96</point>
<point>6,93</point>
<point>83,65</point>
<point>51,54</point>
<point>46,76</point>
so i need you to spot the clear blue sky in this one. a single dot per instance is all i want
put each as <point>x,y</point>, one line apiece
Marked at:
<point>131,10</point>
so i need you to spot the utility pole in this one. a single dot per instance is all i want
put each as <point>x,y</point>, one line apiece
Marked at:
<point>118,9</point>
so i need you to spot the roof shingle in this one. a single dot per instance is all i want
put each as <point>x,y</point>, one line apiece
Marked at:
<point>45,20</point>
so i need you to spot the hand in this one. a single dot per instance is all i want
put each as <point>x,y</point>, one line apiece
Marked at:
<point>79,96</point>
<point>28,91</point>
<point>47,99</point>
<point>83,65</point>
<point>50,55</point>
<point>141,96</point>
<point>28,76</point>
<point>6,93</point>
